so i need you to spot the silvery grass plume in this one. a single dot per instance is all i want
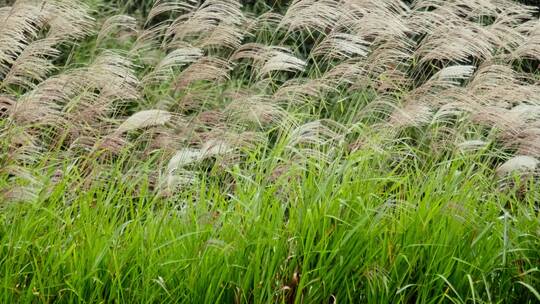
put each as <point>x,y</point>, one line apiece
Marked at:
<point>223,36</point>
<point>29,34</point>
<point>375,21</point>
<point>456,43</point>
<point>177,175</point>
<point>194,99</point>
<point>520,163</point>
<point>509,104</point>
<point>113,75</point>
<point>530,46</point>
<point>154,36</point>
<point>517,173</point>
<point>24,185</point>
<point>499,85</point>
<point>268,59</point>
<point>17,30</point>
<point>207,68</point>
<point>347,72</point>
<point>472,145</point>
<point>143,119</point>
<point>77,92</point>
<point>164,70</point>
<point>420,104</point>
<point>115,24</point>
<point>222,145</point>
<point>318,140</point>
<point>68,19</point>
<point>460,31</point>
<point>338,45</point>
<point>386,68</point>
<point>304,90</point>
<point>266,21</point>
<point>215,23</point>
<point>170,7</point>
<point>27,63</point>
<point>94,93</point>
<point>157,127</point>
<point>258,109</point>
<point>32,65</point>
<point>312,15</point>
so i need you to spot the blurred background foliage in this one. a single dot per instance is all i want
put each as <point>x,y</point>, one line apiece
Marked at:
<point>141,7</point>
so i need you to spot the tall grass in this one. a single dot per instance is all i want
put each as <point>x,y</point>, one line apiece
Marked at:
<point>348,233</point>
<point>323,151</point>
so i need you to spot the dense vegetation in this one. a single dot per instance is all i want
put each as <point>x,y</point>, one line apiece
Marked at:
<point>313,151</point>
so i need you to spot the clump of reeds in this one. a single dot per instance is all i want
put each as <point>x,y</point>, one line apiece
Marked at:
<point>209,74</point>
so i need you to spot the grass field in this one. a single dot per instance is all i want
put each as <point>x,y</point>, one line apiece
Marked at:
<point>308,151</point>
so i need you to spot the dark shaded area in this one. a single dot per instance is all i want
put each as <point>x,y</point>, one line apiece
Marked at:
<point>530,2</point>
